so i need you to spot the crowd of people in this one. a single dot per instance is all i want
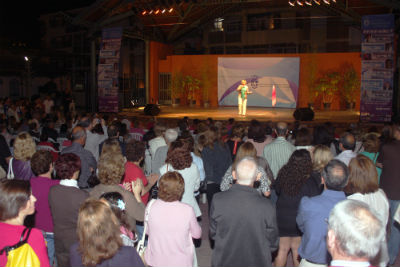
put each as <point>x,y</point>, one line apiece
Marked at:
<point>89,187</point>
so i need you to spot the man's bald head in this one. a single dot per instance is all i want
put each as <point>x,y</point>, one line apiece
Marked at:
<point>246,171</point>
<point>281,128</point>
<point>79,135</point>
<point>348,141</point>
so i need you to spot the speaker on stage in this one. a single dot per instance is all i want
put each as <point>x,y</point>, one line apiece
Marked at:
<point>151,110</point>
<point>303,114</point>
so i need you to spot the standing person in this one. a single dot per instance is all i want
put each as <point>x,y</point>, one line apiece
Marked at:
<point>17,202</point>
<point>65,200</point>
<point>235,139</point>
<point>278,152</point>
<point>355,234</point>
<point>371,150</point>
<point>243,235</point>
<point>87,159</point>
<point>291,186</point>
<point>171,225</point>
<point>216,159</point>
<point>321,156</point>
<point>243,91</point>
<point>388,159</point>
<point>99,241</point>
<point>42,166</point>
<point>93,139</point>
<point>314,211</point>
<point>48,104</point>
<point>363,185</point>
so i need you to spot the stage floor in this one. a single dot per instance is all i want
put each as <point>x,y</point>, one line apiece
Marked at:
<point>261,114</point>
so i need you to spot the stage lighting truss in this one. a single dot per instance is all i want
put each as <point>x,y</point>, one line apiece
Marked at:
<point>309,3</point>
<point>158,11</point>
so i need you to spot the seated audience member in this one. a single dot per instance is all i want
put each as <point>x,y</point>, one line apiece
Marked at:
<point>65,200</point>
<point>257,136</point>
<point>371,150</point>
<point>17,202</point>
<point>231,210</point>
<point>321,155</point>
<point>158,141</point>
<point>180,160</point>
<point>118,207</point>
<point>111,170</point>
<point>171,225</point>
<point>290,186</point>
<point>24,148</point>
<point>235,139</point>
<point>355,234</point>
<point>114,131</point>
<point>363,186</point>
<point>247,150</point>
<point>347,143</point>
<point>99,241</point>
<point>313,212</point>
<point>158,159</point>
<point>303,139</point>
<point>94,136</point>
<point>42,165</point>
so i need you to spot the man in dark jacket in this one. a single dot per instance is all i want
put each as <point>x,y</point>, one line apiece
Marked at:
<point>243,222</point>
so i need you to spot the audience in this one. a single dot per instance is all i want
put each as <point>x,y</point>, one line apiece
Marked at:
<point>256,135</point>
<point>313,212</point>
<point>171,225</point>
<point>371,149</point>
<point>347,144</point>
<point>355,234</point>
<point>42,166</point>
<point>321,155</point>
<point>243,235</point>
<point>17,202</point>
<point>278,152</point>
<point>24,148</point>
<point>65,200</point>
<point>235,139</point>
<point>161,153</point>
<point>99,241</point>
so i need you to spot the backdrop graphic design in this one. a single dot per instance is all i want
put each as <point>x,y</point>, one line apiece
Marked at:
<point>262,75</point>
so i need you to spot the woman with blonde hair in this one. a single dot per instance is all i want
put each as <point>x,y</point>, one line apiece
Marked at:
<point>265,178</point>
<point>99,240</point>
<point>24,148</point>
<point>321,155</point>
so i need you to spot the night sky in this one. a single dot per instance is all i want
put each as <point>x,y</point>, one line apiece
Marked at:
<point>19,19</point>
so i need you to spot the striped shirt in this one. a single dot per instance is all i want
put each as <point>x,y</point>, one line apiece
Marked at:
<point>278,153</point>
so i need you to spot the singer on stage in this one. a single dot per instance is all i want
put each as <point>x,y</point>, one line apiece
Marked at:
<point>243,91</point>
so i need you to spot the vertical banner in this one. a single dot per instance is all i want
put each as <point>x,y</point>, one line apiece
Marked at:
<point>377,68</point>
<point>108,69</point>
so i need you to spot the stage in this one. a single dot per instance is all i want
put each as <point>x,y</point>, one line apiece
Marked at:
<point>261,114</point>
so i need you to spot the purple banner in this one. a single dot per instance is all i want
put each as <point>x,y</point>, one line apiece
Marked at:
<point>377,68</point>
<point>108,70</point>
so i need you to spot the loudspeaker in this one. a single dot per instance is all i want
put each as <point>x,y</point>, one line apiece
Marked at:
<point>303,114</point>
<point>151,110</point>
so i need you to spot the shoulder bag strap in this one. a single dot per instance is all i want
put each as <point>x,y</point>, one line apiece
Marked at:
<point>146,219</point>
<point>22,241</point>
<point>10,173</point>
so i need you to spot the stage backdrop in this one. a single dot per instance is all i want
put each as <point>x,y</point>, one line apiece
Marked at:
<point>274,81</point>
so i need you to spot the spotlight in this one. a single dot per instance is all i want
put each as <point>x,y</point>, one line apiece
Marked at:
<point>292,3</point>
<point>144,12</point>
<point>26,58</point>
<point>170,10</point>
<point>157,11</point>
<point>318,2</point>
<point>308,2</point>
<point>151,12</point>
<point>328,2</point>
<point>163,11</point>
<point>300,3</point>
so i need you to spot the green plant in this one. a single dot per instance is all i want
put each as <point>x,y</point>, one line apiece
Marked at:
<point>327,85</point>
<point>192,86</point>
<point>350,82</point>
<point>177,85</point>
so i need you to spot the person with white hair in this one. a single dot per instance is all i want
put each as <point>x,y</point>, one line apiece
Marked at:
<point>159,157</point>
<point>354,234</point>
<point>243,235</point>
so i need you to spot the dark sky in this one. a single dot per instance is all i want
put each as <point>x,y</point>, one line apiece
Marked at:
<point>19,19</point>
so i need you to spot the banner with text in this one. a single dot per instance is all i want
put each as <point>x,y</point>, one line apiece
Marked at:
<point>108,69</point>
<point>377,68</point>
<point>273,81</point>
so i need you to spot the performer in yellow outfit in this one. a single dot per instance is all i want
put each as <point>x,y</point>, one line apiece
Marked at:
<point>243,91</point>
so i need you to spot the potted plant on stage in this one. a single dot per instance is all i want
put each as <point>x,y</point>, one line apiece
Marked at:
<point>350,84</point>
<point>193,86</point>
<point>326,87</point>
<point>177,86</point>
